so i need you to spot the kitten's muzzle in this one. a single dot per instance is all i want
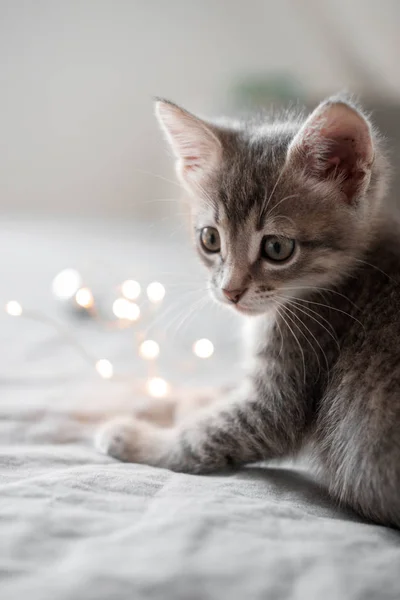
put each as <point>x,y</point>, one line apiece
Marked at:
<point>234,295</point>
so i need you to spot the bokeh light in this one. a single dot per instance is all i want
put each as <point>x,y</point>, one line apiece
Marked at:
<point>149,349</point>
<point>13,308</point>
<point>104,368</point>
<point>155,292</point>
<point>66,284</point>
<point>131,289</point>
<point>84,298</point>
<point>157,387</point>
<point>124,309</point>
<point>203,348</point>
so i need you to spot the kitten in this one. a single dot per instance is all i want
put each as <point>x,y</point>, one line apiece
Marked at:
<point>289,219</point>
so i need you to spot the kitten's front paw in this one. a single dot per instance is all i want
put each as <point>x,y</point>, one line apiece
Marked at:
<point>120,438</point>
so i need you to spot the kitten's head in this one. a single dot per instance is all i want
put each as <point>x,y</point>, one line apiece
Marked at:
<point>279,207</point>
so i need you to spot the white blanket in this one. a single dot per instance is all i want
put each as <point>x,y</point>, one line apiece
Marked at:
<point>77,525</point>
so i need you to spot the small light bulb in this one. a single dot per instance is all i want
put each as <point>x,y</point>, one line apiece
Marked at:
<point>123,309</point>
<point>13,308</point>
<point>104,368</point>
<point>66,283</point>
<point>203,348</point>
<point>157,387</point>
<point>133,312</point>
<point>149,350</point>
<point>84,298</point>
<point>131,289</point>
<point>155,292</point>
<point>119,308</point>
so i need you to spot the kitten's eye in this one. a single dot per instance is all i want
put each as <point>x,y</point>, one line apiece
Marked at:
<point>210,240</point>
<point>277,248</point>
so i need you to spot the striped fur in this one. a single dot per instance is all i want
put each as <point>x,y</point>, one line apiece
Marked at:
<point>322,330</point>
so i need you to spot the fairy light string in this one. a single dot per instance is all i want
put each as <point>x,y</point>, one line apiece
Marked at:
<point>68,286</point>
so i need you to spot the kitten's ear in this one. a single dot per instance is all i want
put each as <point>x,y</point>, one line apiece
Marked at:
<point>195,143</point>
<point>335,145</point>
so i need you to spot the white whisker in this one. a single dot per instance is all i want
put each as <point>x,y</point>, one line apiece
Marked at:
<point>176,305</point>
<point>303,310</point>
<point>332,308</point>
<point>157,176</point>
<point>280,202</point>
<point>286,219</point>
<point>196,306</point>
<point>309,331</point>
<point>375,267</point>
<point>265,205</point>
<point>295,337</point>
<point>281,334</point>
<point>203,192</point>
<point>317,288</point>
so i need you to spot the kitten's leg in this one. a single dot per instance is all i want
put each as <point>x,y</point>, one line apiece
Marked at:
<point>165,412</point>
<point>249,425</point>
<point>358,444</point>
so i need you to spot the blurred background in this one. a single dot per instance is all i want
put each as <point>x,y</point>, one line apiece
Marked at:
<point>77,77</point>
<point>86,179</point>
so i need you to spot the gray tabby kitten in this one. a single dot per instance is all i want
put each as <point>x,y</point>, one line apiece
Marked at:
<point>289,220</point>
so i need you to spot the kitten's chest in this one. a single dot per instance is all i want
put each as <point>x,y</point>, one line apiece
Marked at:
<point>258,334</point>
<point>292,346</point>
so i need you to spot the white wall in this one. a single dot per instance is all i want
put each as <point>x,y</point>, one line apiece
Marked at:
<point>77,78</point>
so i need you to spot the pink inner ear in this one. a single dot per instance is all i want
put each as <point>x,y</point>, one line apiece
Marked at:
<point>192,163</point>
<point>346,160</point>
<point>194,142</point>
<point>336,145</point>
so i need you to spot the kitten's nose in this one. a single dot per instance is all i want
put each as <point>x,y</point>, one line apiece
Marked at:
<point>234,295</point>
